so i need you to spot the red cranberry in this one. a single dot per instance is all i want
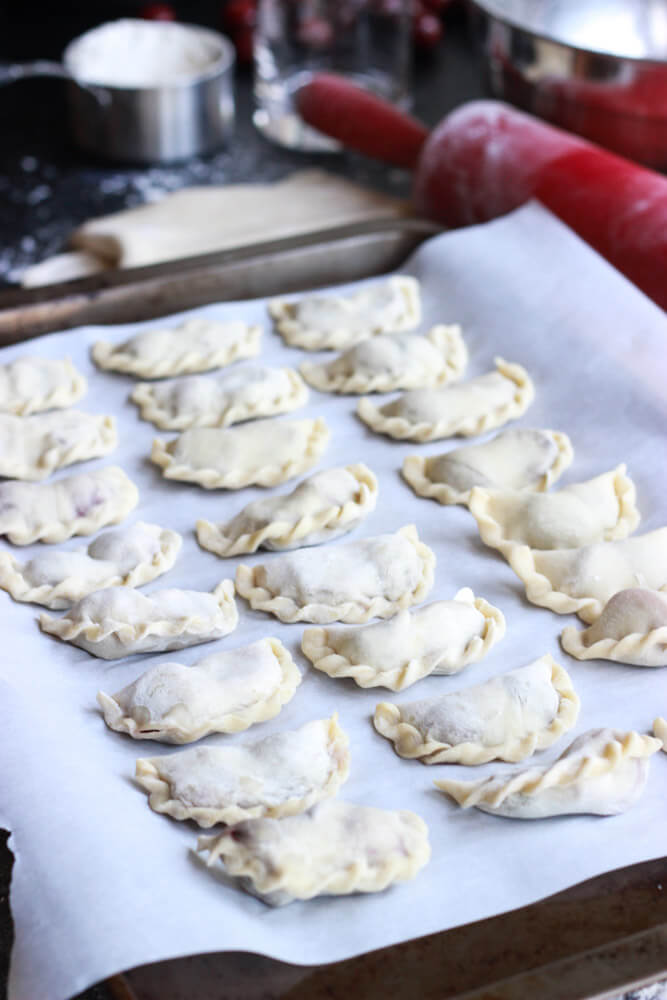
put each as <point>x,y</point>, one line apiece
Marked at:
<point>427,31</point>
<point>316,33</point>
<point>158,12</point>
<point>239,14</point>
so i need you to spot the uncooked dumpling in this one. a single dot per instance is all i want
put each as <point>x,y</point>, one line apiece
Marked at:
<point>602,772</point>
<point>392,361</point>
<point>439,638</point>
<point>334,849</point>
<point>320,322</point>
<point>120,621</point>
<point>600,509</point>
<point>278,775</point>
<point>263,453</point>
<point>224,693</point>
<point>327,504</point>
<point>244,393</point>
<point>74,505</point>
<point>350,582</point>
<point>127,557</point>
<point>519,458</point>
<point>34,447</point>
<point>582,580</point>
<point>464,408</point>
<point>632,628</point>
<point>196,345</point>
<point>30,385</point>
<point>508,717</point>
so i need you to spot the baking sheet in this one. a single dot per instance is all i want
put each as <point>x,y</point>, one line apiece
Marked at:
<point>102,884</point>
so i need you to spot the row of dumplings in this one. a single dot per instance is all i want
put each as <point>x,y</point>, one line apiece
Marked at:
<point>397,566</point>
<point>492,479</point>
<point>570,546</point>
<point>116,621</point>
<point>38,431</point>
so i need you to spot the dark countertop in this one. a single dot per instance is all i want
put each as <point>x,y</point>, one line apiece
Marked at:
<point>47,187</point>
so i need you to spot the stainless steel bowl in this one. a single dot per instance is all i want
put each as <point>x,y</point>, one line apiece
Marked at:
<point>595,67</point>
<point>157,124</point>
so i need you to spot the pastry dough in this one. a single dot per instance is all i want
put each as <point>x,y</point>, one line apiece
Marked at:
<point>632,628</point>
<point>519,458</point>
<point>320,508</point>
<point>600,509</point>
<point>127,557</point>
<point>264,453</point>
<point>334,322</point>
<point>334,849</point>
<point>244,393</point>
<point>120,621</point>
<point>602,772</point>
<point>279,775</point>
<point>350,582</point>
<point>392,361</point>
<point>223,693</point>
<point>660,731</point>
<point>34,447</point>
<point>507,718</point>
<point>196,345</point>
<point>440,638</point>
<point>74,505</point>
<point>469,408</point>
<point>582,580</point>
<point>30,385</point>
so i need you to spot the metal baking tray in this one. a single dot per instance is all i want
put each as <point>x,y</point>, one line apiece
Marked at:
<point>326,257</point>
<point>590,942</point>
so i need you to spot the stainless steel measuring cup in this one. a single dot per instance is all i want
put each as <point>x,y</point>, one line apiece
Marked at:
<point>155,124</point>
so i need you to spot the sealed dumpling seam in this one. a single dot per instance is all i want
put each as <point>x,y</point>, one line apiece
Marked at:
<point>279,775</point>
<point>599,509</point>
<point>346,848</point>
<point>413,742</point>
<point>220,401</point>
<point>90,632</point>
<point>297,445</point>
<point>328,321</point>
<point>74,505</point>
<point>632,628</point>
<point>566,772</point>
<point>196,345</point>
<point>582,580</point>
<point>420,471</point>
<point>172,703</point>
<point>30,385</point>
<point>154,548</point>
<point>393,361</point>
<point>284,533</point>
<point>510,383</point>
<point>34,447</point>
<point>323,647</point>
<point>324,603</point>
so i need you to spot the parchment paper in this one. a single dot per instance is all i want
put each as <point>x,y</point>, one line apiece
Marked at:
<point>102,884</point>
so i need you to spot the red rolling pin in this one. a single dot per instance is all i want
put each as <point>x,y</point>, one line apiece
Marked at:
<point>486,158</point>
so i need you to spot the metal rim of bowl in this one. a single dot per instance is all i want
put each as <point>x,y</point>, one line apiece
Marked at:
<point>495,9</point>
<point>222,63</point>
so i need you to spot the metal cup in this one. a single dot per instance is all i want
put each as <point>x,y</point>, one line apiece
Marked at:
<point>158,124</point>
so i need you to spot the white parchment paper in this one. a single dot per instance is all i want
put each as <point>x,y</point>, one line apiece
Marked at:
<point>102,884</point>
